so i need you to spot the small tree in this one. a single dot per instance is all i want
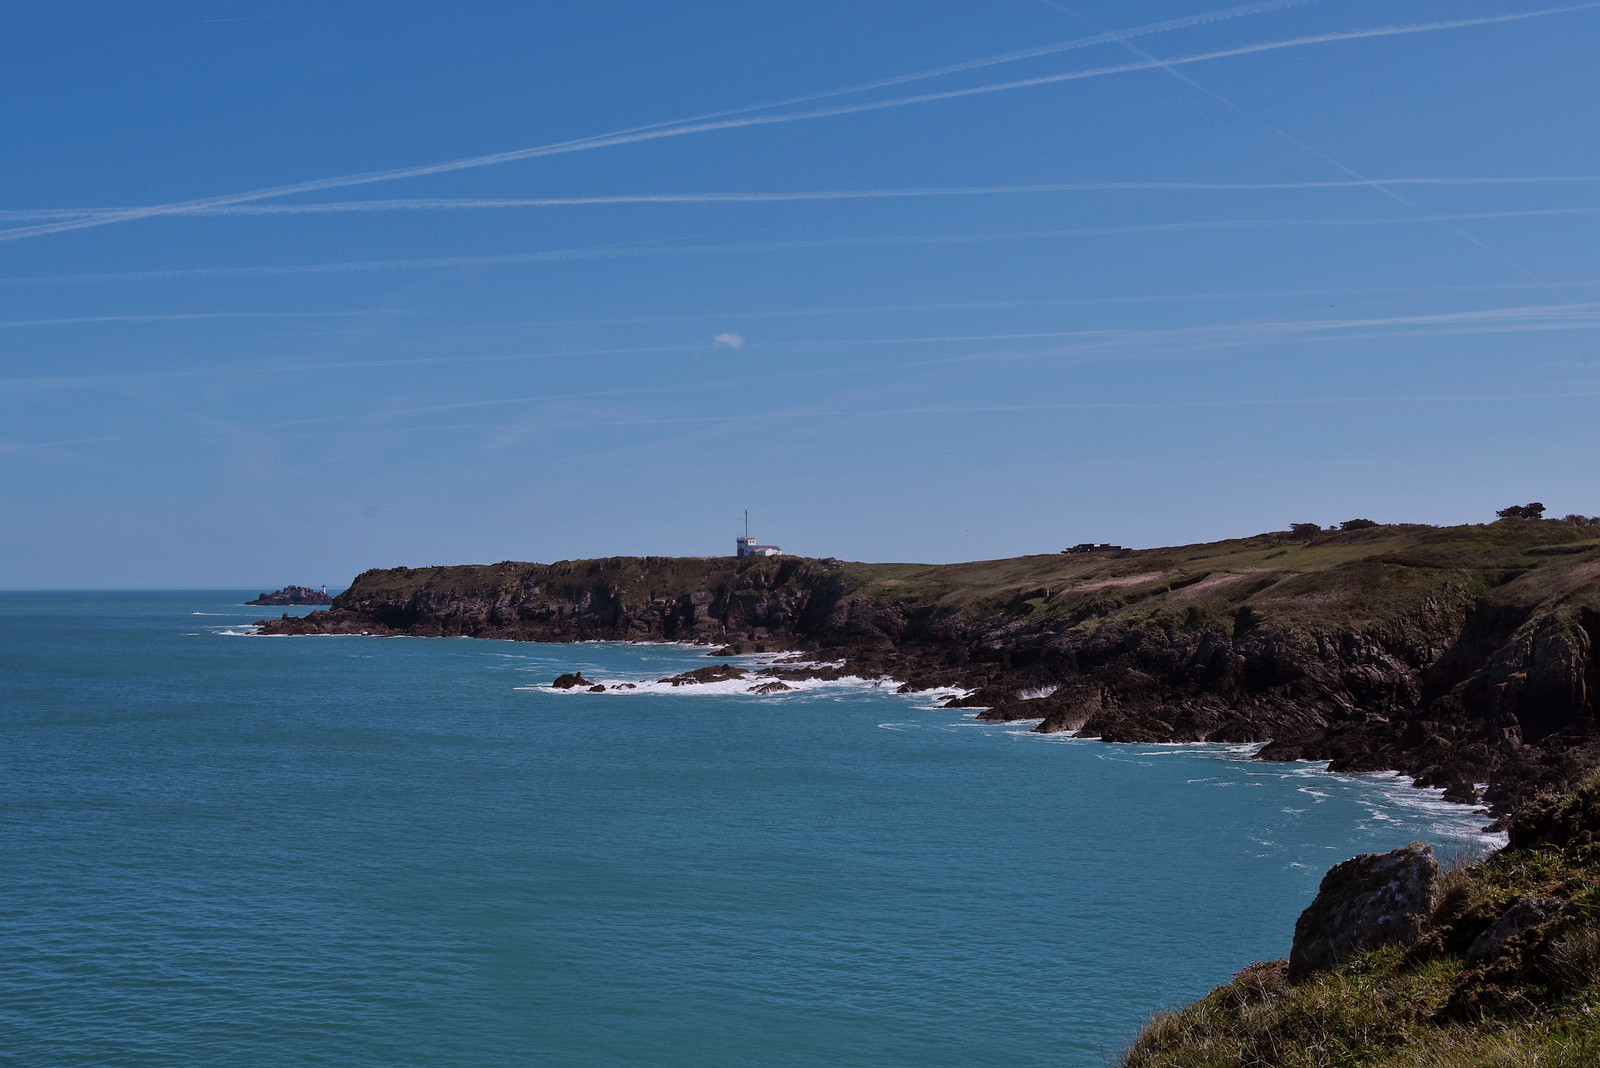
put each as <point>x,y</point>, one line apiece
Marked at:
<point>1534,510</point>
<point>1304,530</point>
<point>1356,524</point>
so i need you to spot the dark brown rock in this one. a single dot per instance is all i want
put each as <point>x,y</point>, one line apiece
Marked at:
<point>569,681</point>
<point>293,595</point>
<point>1373,900</point>
<point>715,673</point>
<point>1526,914</point>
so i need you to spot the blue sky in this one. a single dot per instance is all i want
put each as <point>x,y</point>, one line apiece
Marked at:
<point>909,281</point>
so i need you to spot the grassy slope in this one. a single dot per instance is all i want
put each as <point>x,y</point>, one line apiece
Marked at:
<point>1357,578</point>
<point>1342,579</point>
<point>1423,1006</point>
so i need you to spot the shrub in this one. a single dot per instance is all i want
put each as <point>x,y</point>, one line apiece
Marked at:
<point>1304,530</point>
<point>1533,510</point>
<point>1356,524</point>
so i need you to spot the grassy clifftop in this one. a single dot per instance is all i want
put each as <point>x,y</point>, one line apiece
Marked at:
<point>1327,581</point>
<point>1535,1003</point>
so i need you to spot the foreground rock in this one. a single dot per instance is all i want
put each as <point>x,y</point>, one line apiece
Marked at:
<point>1502,967</point>
<point>291,595</point>
<point>1369,901</point>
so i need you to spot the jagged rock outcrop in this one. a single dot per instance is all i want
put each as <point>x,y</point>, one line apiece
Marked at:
<point>1367,902</point>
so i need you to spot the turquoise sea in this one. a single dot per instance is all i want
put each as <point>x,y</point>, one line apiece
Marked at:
<point>218,848</point>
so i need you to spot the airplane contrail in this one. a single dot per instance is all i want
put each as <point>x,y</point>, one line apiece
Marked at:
<point>581,143</point>
<point>635,251</point>
<point>481,203</point>
<point>684,128</point>
<point>183,317</point>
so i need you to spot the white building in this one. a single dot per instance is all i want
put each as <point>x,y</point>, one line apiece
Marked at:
<point>747,545</point>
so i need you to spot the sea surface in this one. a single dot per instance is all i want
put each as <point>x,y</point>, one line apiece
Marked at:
<point>219,848</point>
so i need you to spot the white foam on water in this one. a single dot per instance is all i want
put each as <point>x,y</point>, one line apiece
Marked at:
<point>633,687</point>
<point>1036,693</point>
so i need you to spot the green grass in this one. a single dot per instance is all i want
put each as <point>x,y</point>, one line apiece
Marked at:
<point>1423,1006</point>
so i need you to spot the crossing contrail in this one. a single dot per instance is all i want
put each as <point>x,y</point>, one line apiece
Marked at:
<point>743,120</point>
<point>888,240</point>
<point>501,203</point>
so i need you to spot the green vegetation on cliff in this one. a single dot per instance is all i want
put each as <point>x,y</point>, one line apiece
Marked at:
<point>1432,1003</point>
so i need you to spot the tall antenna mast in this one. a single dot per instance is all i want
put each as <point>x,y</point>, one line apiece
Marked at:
<point>747,524</point>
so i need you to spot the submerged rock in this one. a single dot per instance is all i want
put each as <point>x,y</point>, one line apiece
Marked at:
<point>1373,900</point>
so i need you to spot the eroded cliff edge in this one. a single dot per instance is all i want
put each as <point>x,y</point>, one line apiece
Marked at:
<point>1460,655</point>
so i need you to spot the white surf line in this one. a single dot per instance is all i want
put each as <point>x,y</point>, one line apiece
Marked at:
<point>679,129</point>
<point>631,252</point>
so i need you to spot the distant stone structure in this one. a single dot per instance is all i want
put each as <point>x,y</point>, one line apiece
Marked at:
<point>1093,547</point>
<point>747,545</point>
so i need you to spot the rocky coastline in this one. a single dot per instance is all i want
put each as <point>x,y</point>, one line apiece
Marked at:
<point>1465,657</point>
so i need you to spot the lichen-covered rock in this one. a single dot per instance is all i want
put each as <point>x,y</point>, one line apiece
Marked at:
<point>1525,915</point>
<point>1373,900</point>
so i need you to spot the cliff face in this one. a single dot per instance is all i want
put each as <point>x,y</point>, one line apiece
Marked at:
<point>762,602</point>
<point>1460,655</point>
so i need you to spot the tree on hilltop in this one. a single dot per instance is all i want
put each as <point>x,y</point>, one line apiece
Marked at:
<point>1534,510</point>
<point>1356,524</point>
<point>1305,530</point>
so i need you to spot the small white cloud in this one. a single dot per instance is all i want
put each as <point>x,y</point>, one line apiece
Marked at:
<point>733,341</point>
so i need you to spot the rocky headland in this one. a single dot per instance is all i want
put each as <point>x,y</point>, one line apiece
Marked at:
<point>1460,655</point>
<point>292,595</point>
